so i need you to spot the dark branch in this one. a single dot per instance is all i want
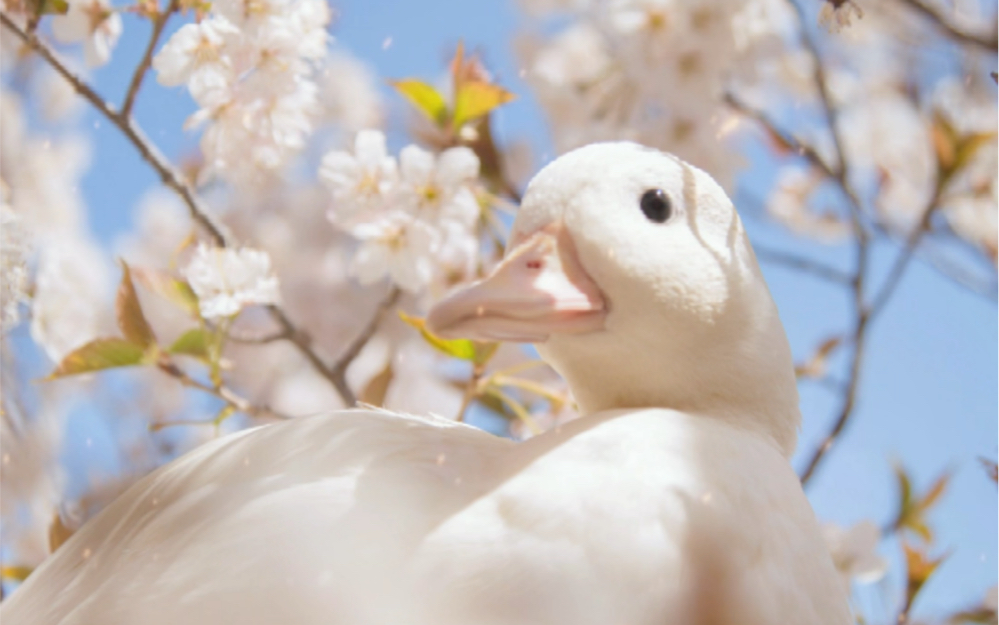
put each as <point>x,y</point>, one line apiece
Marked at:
<point>354,348</point>
<point>170,177</point>
<point>335,374</point>
<point>147,58</point>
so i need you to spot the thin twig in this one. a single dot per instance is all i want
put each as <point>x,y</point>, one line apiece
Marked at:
<point>147,58</point>
<point>903,259</point>
<point>517,408</point>
<point>354,348</point>
<point>831,114</point>
<point>224,393</point>
<point>819,78</point>
<point>335,374</point>
<point>836,174</point>
<point>170,176</point>
<point>799,147</point>
<point>865,315</point>
<point>988,42</point>
<point>987,290</point>
<point>861,247</point>
<point>858,340</point>
<point>802,263</point>
<point>257,339</point>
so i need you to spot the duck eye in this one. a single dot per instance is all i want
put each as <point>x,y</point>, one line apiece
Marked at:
<point>656,205</point>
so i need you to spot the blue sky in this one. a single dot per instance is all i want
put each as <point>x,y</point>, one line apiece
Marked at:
<point>929,392</point>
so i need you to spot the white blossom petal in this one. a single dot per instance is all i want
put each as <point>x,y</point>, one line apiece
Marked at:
<point>457,166</point>
<point>227,280</point>
<point>416,165</point>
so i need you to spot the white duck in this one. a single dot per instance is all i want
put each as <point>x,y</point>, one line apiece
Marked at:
<point>671,502</point>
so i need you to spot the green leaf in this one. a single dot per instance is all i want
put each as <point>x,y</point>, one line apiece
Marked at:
<point>131,320</point>
<point>920,567</point>
<point>459,348</point>
<point>424,97</point>
<point>475,99</point>
<point>194,342</point>
<point>53,7</point>
<point>934,493</point>
<point>227,411</point>
<point>19,573</point>
<point>173,289</point>
<point>98,355</point>
<point>494,404</point>
<point>968,146</point>
<point>484,351</point>
<point>904,491</point>
<point>944,139</point>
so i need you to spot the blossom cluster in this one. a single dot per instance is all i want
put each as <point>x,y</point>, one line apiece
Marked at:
<point>415,219</point>
<point>248,65</point>
<point>227,280</point>
<point>46,228</point>
<point>13,267</point>
<point>93,22</point>
<point>648,70</point>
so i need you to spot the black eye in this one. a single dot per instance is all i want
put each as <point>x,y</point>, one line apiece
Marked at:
<point>656,205</point>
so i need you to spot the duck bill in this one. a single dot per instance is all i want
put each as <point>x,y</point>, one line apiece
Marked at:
<point>538,290</point>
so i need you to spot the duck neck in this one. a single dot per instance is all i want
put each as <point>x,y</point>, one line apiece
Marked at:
<point>749,384</point>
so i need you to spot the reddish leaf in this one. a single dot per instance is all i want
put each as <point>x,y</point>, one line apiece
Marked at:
<point>131,320</point>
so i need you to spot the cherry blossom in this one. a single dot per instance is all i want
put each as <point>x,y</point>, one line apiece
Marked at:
<point>71,290</point>
<point>13,267</point>
<point>416,221</point>
<point>250,70</point>
<point>854,551</point>
<point>437,188</point>
<point>397,246</point>
<point>195,54</point>
<point>789,205</point>
<point>364,180</point>
<point>92,22</point>
<point>349,93</point>
<point>227,280</point>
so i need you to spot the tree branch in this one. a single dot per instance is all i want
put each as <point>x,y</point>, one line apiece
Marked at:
<point>987,42</point>
<point>336,373</point>
<point>831,114</point>
<point>170,176</point>
<point>257,339</point>
<point>231,399</point>
<point>987,290</point>
<point>147,58</point>
<point>354,348</point>
<point>858,339</point>
<point>802,263</point>
<point>904,258</point>
<point>837,175</point>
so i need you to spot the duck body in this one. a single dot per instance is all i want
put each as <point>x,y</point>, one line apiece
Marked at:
<point>634,516</point>
<point>671,501</point>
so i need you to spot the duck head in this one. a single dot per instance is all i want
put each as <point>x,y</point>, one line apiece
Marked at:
<point>630,271</point>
